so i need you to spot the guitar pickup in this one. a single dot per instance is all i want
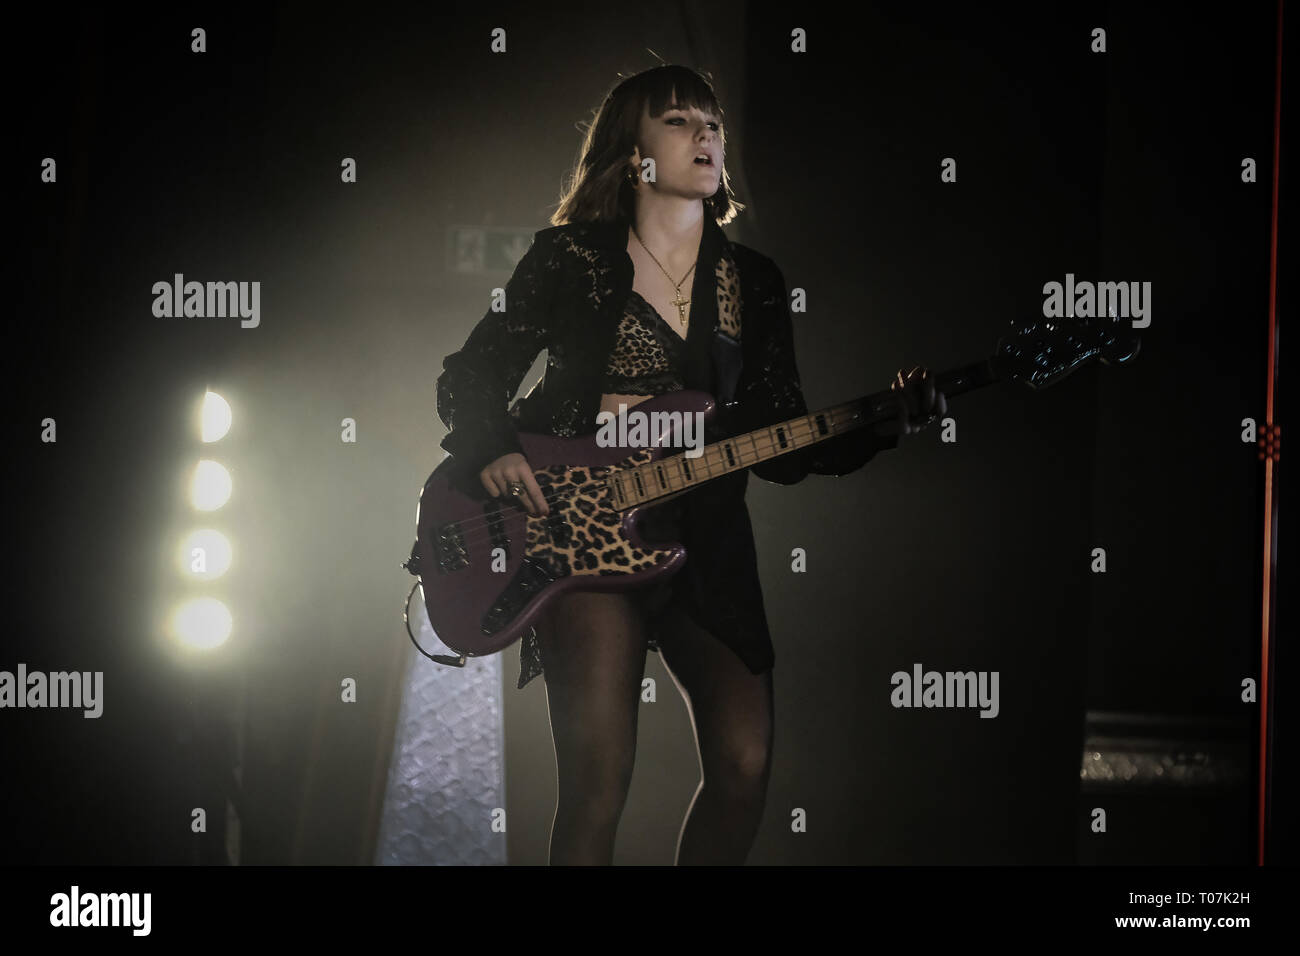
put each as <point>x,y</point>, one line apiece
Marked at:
<point>496,526</point>
<point>450,546</point>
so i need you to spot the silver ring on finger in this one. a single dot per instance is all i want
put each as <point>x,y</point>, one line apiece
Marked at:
<point>515,489</point>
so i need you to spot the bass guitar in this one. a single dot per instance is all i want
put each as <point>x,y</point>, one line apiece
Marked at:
<point>487,569</point>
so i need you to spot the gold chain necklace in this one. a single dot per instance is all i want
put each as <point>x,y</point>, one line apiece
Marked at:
<point>678,301</point>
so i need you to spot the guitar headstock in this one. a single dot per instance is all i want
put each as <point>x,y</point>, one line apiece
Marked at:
<point>1043,352</point>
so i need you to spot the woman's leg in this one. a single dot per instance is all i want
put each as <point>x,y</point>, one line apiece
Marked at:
<point>593,658</point>
<point>731,711</point>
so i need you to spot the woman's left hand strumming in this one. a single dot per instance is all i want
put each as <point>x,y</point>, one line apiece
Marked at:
<point>920,402</point>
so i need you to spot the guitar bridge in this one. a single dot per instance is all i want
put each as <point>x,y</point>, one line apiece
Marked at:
<point>450,545</point>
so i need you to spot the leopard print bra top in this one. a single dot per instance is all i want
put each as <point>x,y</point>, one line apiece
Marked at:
<point>648,357</point>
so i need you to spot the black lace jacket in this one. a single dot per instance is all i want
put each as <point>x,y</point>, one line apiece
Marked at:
<point>567,295</point>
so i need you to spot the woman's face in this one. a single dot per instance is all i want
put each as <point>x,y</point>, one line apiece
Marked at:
<point>675,140</point>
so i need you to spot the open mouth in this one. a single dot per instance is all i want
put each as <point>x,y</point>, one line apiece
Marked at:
<point>703,161</point>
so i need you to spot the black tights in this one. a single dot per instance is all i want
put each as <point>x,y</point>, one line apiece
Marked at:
<point>593,651</point>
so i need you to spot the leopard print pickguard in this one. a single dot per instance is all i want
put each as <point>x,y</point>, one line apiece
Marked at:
<point>596,543</point>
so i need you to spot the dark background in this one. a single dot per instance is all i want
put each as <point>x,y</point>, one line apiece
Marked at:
<point>974,555</point>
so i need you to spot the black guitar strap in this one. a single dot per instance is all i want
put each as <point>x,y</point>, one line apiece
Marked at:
<point>725,348</point>
<point>727,364</point>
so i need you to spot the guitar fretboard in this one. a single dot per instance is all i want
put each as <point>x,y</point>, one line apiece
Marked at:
<point>678,473</point>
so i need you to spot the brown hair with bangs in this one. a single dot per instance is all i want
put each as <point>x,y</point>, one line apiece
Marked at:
<point>598,189</point>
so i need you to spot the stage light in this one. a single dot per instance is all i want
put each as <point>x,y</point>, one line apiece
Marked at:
<point>205,554</point>
<point>203,623</point>
<point>214,417</point>
<point>211,486</point>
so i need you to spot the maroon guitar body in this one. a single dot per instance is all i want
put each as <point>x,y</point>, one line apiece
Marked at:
<point>492,568</point>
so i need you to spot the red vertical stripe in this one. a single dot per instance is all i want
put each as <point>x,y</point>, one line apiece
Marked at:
<point>1270,502</point>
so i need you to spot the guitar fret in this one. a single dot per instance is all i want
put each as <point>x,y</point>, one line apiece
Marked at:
<point>741,453</point>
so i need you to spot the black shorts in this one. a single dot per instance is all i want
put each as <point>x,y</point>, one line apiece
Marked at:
<point>662,524</point>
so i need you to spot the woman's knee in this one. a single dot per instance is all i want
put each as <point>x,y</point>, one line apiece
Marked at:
<point>740,763</point>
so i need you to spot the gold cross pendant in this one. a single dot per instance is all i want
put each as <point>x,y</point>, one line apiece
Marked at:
<point>681,306</point>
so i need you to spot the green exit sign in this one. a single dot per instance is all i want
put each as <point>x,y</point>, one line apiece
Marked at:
<point>478,249</point>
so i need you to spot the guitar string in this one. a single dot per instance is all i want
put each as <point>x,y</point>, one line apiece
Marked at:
<point>804,428</point>
<point>481,523</point>
<point>477,521</point>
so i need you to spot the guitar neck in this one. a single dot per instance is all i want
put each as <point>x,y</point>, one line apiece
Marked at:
<point>674,475</point>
